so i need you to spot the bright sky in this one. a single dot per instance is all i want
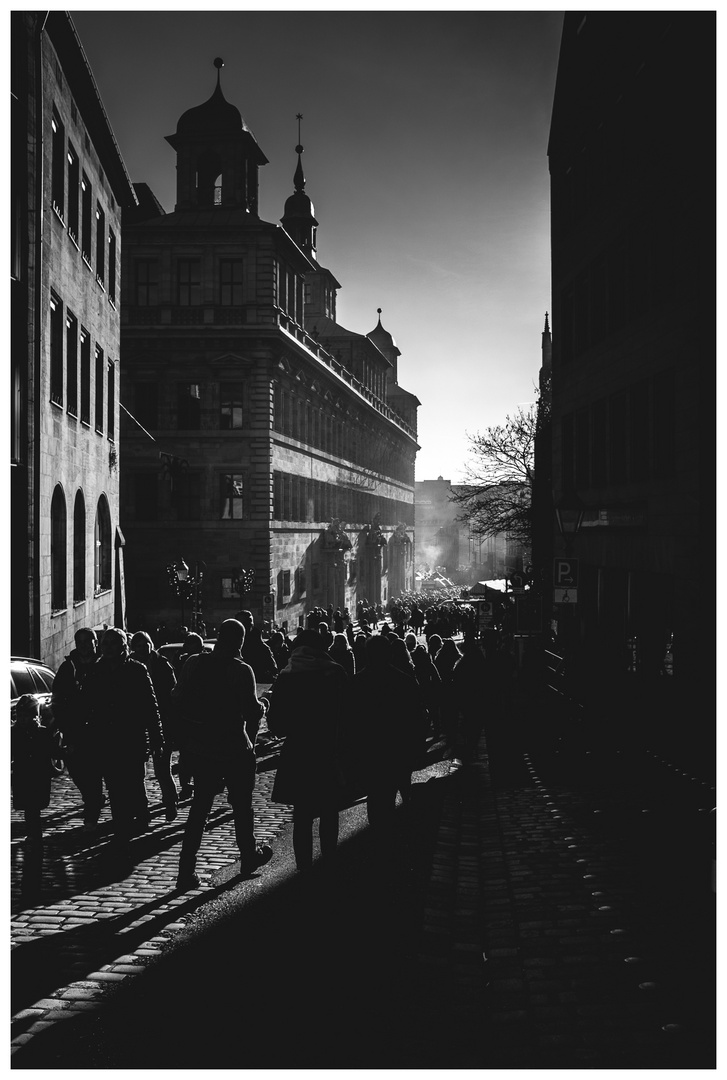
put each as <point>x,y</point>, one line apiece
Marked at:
<point>425,136</point>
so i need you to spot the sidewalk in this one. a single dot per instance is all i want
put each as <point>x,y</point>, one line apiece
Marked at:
<point>519,916</point>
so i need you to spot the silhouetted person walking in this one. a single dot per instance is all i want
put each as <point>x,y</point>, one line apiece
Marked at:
<point>218,700</point>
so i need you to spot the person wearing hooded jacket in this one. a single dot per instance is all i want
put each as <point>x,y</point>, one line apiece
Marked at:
<point>309,703</point>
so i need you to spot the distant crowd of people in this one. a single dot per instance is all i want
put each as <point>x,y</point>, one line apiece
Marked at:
<point>355,705</point>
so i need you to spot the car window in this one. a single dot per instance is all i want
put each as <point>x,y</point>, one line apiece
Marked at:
<point>43,679</point>
<point>23,681</point>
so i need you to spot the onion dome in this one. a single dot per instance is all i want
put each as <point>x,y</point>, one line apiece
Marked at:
<point>216,116</point>
<point>382,339</point>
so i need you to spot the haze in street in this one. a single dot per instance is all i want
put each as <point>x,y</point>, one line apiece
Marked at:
<point>425,136</point>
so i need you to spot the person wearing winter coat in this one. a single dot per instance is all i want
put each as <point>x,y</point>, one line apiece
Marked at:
<point>218,703</point>
<point>341,652</point>
<point>31,749</point>
<point>308,707</point>
<point>387,724</point>
<point>255,651</point>
<point>124,729</point>
<point>81,762</point>
<point>444,661</point>
<point>163,680</point>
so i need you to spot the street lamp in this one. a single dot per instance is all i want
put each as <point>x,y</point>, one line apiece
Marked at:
<point>569,513</point>
<point>187,587</point>
<point>243,582</point>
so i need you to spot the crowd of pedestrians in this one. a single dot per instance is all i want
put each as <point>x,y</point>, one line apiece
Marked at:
<point>355,705</point>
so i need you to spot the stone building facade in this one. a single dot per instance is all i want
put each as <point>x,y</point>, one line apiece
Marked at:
<point>68,185</point>
<point>258,434</point>
<point>632,166</point>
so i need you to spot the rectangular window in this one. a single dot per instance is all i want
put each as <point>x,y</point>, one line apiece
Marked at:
<point>286,583</point>
<point>231,496</point>
<point>73,192</point>
<point>71,364</point>
<point>99,388</point>
<point>100,245</point>
<point>112,266</point>
<point>231,282</point>
<point>85,377</point>
<point>146,276</point>
<point>189,289</point>
<point>58,166</point>
<point>278,496</point>
<point>56,350</point>
<point>230,406</point>
<point>146,404</point>
<point>86,225</point>
<point>188,407</point>
<point>110,399</point>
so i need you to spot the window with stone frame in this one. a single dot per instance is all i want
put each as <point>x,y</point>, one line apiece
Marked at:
<point>146,282</point>
<point>231,496</point>
<point>231,400</point>
<point>189,282</point>
<point>231,282</point>
<point>100,244</point>
<point>58,164</point>
<point>85,376</point>
<point>99,389</point>
<point>86,218</point>
<point>58,540</point>
<point>74,187</point>
<point>71,363</point>
<point>56,350</point>
<point>189,407</point>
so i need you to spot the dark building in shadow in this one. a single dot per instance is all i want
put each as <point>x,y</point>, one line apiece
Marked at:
<point>632,165</point>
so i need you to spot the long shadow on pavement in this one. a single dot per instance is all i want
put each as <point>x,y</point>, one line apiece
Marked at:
<point>319,972</point>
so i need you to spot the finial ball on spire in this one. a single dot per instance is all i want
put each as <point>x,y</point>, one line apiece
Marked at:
<point>378,310</point>
<point>219,62</point>
<point>299,149</point>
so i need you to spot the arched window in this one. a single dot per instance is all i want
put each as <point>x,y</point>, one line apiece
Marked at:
<point>209,180</point>
<point>58,598</point>
<point>102,547</point>
<point>79,548</point>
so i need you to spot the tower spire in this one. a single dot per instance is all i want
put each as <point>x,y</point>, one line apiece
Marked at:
<point>298,217</point>
<point>299,178</point>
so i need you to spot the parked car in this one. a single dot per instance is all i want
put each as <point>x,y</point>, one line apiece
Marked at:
<point>173,649</point>
<point>30,676</point>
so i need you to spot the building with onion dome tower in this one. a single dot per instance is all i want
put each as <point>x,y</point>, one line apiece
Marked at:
<point>258,434</point>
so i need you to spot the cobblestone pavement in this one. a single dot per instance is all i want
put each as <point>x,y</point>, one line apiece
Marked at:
<point>553,911</point>
<point>69,892</point>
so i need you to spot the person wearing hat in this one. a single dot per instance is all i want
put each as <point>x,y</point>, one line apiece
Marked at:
<point>31,748</point>
<point>308,706</point>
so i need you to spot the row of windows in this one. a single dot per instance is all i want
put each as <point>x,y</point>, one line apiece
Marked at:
<point>196,406</point>
<point>628,437</point>
<point>60,544</point>
<point>298,418</point>
<point>152,496</point>
<point>187,285</point>
<point>299,498</point>
<point>72,200</point>
<point>70,371</point>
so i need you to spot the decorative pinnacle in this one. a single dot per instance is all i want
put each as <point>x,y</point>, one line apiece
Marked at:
<point>299,178</point>
<point>219,64</point>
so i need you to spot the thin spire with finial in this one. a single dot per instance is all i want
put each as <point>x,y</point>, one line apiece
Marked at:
<point>547,328</point>
<point>379,313</point>
<point>219,64</point>
<point>299,178</point>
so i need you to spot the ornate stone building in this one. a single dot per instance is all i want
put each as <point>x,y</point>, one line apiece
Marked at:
<point>68,185</point>
<point>258,434</point>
